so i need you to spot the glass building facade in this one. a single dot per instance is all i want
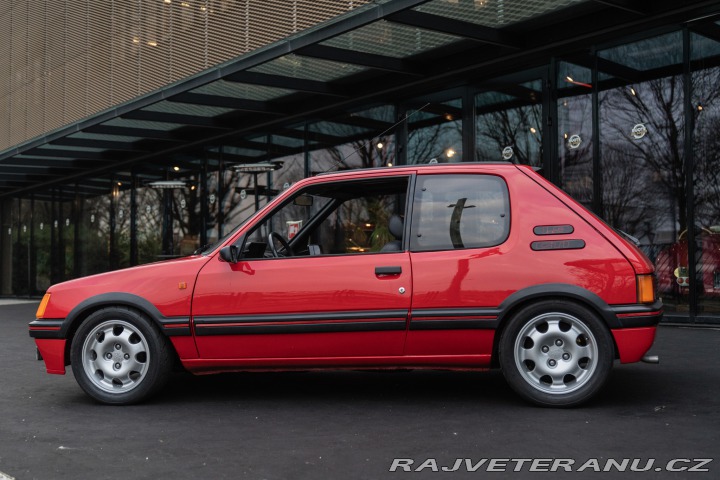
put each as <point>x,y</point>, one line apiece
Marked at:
<point>625,124</point>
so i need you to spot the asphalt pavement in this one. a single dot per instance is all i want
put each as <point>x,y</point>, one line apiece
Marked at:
<point>664,419</point>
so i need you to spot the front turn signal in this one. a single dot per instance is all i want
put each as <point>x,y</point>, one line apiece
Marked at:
<point>646,288</point>
<point>43,305</point>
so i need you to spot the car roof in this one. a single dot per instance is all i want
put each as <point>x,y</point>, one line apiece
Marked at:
<point>356,171</point>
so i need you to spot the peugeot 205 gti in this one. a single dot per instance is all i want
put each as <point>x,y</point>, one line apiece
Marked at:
<point>464,266</point>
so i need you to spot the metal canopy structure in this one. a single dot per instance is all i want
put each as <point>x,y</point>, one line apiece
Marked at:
<point>264,105</point>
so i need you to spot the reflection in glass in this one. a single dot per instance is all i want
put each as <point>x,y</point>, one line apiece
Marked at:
<point>575,142</point>
<point>509,124</point>
<point>642,128</point>
<point>706,174</point>
<point>94,218</point>
<point>333,219</point>
<point>149,225</point>
<point>435,133</point>
<point>42,220</point>
<point>363,139</point>
<point>453,212</point>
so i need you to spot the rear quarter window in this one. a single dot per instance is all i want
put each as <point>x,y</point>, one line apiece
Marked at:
<point>459,211</point>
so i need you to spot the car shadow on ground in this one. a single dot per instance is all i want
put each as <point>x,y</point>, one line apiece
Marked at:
<point>340,386</point>
<point>626,386</point>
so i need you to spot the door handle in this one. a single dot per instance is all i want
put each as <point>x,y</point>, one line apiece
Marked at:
<point>388,270</point>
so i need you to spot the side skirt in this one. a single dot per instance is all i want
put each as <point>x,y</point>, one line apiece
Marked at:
<point>451,362</point>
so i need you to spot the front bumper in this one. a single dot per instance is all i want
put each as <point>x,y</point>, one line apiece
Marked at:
<point>52,351</point>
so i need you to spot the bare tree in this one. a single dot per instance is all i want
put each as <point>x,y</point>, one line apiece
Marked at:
<point>519,128</point>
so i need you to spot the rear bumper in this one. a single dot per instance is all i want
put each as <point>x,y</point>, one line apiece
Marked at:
<point>633,343</point>
<point>637,327</point>
<point>637,316</point>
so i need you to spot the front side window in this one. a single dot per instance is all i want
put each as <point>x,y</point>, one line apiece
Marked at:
<point>459,211</point>
<point>333,219</point>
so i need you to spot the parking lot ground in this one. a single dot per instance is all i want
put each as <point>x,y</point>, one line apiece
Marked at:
<point>354,424</point>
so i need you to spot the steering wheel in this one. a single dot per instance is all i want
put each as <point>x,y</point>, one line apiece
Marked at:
<point>271,240</point>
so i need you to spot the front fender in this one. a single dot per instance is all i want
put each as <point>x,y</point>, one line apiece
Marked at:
<point>49,328</point>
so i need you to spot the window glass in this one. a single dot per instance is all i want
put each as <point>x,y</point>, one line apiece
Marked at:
<point>642,143</point>
<point>575,131</point>
<point>705,100</point>
<point>435,133</point>
<point>509,122</point>
<point>459,211</point>
<point>335,218</point>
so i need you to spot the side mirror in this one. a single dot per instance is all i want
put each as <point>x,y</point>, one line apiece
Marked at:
<point>230,254</point>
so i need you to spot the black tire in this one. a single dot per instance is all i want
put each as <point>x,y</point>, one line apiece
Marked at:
<point>556,353</point>
<point>119,357</point>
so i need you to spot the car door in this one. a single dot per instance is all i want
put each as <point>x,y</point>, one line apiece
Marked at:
<point>339,298</point>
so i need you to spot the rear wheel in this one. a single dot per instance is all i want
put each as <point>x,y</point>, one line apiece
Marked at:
<point>119,357</point>
<point>556,353</point>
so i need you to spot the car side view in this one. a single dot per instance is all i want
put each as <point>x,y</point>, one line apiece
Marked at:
<point>448,266</point>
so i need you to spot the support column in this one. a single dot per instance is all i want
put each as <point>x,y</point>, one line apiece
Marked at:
<point>77,217</point>
<point>468,126</point>
<point>32,252</point>
<point>6,251</point>
<point>112,247</point>
<point>696,281</point>
<point>204,211</point>
<point>133,220</point>
<point>401,135</point>
<point>60,232</point>
<point>167,226</point>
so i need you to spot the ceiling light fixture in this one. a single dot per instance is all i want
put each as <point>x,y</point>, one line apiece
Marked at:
<point>260,167</point>
<point>167,184</point>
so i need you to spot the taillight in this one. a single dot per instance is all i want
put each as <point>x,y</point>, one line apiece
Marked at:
<point>43,305</point>
<point>646,288</point>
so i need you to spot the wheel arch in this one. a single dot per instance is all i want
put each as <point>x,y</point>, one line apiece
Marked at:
<point>555,291</point>
<point>87,307</point>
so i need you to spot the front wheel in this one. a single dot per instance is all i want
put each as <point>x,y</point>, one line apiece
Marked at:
<point>556,353</point>
<point>119,357</point>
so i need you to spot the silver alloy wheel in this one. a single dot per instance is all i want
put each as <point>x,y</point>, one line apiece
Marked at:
<point>556,353</point>
<point>115,356</point>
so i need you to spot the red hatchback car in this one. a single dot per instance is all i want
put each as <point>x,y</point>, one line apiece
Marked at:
<point>463,266</point>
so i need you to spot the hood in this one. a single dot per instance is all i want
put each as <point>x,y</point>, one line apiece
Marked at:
<point>168,285</point>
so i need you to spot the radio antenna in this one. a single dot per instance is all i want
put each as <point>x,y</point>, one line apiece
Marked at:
<point>337,163</point>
